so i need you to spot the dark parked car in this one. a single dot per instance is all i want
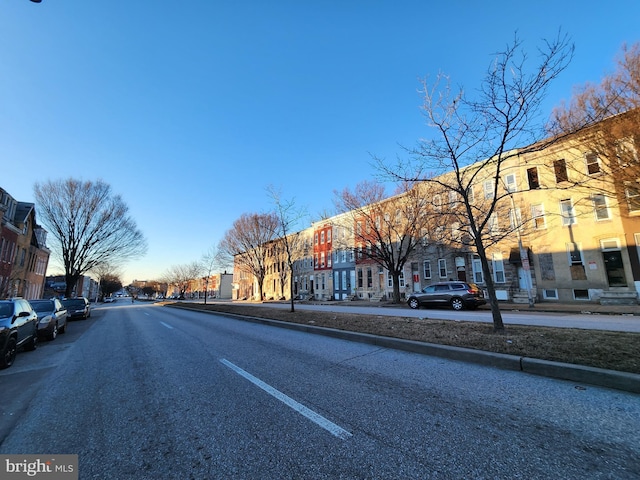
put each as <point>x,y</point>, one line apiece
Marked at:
<point>52,317</point>
<point>458,295</point>
<point>18,329</point>
<point>77,307</point>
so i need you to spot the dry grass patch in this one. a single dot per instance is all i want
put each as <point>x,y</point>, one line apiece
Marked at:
<point>610,350</point>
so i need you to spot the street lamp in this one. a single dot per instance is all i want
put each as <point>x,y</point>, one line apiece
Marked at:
<point>36,1</point>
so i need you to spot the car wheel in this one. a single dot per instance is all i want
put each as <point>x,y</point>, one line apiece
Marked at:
<point>413,303</point>
<point>9,354</point>
<point>54,333</point>
<point>457,303</point>
<point>32,344</point>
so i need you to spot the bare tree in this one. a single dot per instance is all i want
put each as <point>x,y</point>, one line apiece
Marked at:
<point>90,226</point>
<point>288,237</point>
<point>483,132</point>
<point>182,276</point>
<point>108,276</point>
<point>385,230</point>
<point>248,241</point>
<point>209,262</point>
<point>618,92</point>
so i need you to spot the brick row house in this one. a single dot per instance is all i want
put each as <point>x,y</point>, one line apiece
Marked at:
<point>566,228</point>
<point>24,256</point>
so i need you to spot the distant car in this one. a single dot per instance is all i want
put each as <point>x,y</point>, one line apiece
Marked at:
<point>458,295</point>
<point>18,329</point>
<point>108,300</point>
<point>52,317</point>
<point>77,307</point>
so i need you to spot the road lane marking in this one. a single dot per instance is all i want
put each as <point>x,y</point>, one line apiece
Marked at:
<point>290,402</point>
<point>167,325</point>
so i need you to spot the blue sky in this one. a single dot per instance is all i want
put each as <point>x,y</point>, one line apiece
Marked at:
<point>190,110</point>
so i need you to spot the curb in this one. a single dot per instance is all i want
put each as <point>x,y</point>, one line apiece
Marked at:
<point>628,382</point>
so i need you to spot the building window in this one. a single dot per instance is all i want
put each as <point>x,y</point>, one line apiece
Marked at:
<point>328,236</point>
<point>470,194</point>
<point>476,266</point>
<point>626,152</point>
<point>321,259</point>
<point>329,260</point>
<point>511,183</point>
<point>567,213</point>
<point>537,215</point>
<point>493,224</point>
<point>593,163</point>
<point>488,189</point>
<point>560,169</point>
<point>600,207</point>
<point>321,237</point>
<point>532,178</point>
<point>632,192</point>
<point>427,269</point>
<point>315,239</point>
<point>437,203</point>
<point>369,278</point>
<point>359,278</point>
<point>498,268</point>
<point>424,235</point>
<point>442,268</point>
<point>581,294</point>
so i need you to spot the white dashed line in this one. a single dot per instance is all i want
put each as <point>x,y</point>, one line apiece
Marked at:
<point>167,325</point>
<point>298,407</point>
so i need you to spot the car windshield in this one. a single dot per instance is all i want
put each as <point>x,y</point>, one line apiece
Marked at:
<point>42,306</point>
<point>75,303</point>
<point>6,310</point>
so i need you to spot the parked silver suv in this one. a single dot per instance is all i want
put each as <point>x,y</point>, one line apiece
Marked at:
<point>458,295</point>
<point>18,329</point>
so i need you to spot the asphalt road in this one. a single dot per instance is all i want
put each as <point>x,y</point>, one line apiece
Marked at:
<point>160,393</point>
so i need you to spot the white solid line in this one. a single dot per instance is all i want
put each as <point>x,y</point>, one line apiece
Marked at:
<point>167,325</point>
<point>290,402</point>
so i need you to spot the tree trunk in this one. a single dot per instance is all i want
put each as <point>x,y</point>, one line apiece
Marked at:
<point>496,314</point>
<point>291,291</point>
<point>396,287</point>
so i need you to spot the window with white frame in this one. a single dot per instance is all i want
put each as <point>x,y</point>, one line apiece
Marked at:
<point>593,163</point>
<point>470,194</point>
<point>321,237</point>
<point>515,218</point>
<point>442,267</point>
<point>453,197</point>
<point>328,235</point>
<point>437,203</point>
<point>476,267</point>
<point>426,268</point>
<point>493,224</point>
<point>321,259</point>
<point>343,256</point>
<point>510,182</point>
<point>632,192</point>
<point>488,189</point>
<point>498,268</point>
<point>537,216</point>
<point>600,207</point>
<point>400,279</point>
<point>567,212</point>
<point>424,236</point>
<point>329,260</point>
<point>574,253</point>
<point>626,151</point>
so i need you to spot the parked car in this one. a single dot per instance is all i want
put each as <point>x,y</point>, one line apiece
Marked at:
<point>52,317</point>
<point>458,295</point>
<point>108,300</point>
<point>77,307</point>
<point>18,329</point>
